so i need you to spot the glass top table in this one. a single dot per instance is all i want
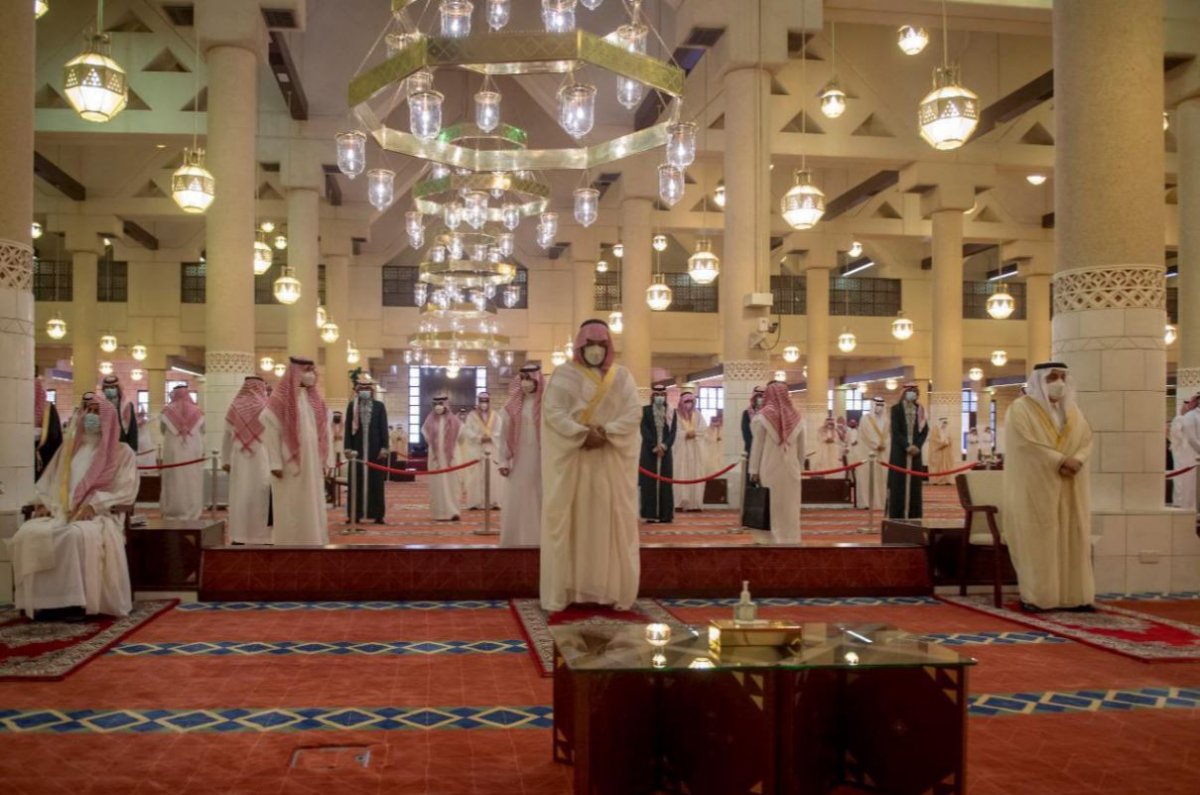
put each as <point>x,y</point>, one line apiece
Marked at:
<point>624,647</point>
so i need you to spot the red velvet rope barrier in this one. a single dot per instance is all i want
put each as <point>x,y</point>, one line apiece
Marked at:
<point>382,468</point>
<point>948,473</point>
<point>180,464</point>
<point>147,452</point>
<point>1183,471</point>
<point>704,479</point>
<point>855,465</point>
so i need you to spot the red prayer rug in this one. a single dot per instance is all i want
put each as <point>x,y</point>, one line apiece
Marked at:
<point>1126,632</point>
<point>51,650</point>
<point>536,622</point>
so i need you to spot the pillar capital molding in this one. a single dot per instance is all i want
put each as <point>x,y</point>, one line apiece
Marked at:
<point>752,370</point>
<point>1187,382</point>
<point>16,265</point>
<point>233,362</point>
<point>1110,287</point>
<point>944,404</point>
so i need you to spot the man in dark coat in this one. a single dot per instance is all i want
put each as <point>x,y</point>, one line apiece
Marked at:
<point>367,435</point>
<point>47,429</point>
<point>909,429</point>
<point>658,437</point>
<point>756,402</point>
<point>126,413</point>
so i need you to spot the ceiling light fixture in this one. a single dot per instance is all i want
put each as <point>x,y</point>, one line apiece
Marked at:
<point>949,113</point>
<point>94,84</point>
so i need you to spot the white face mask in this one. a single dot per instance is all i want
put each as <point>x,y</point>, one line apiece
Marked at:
<point>659,400</point>
<point>484,407</point>
<point>365,394</point>
<point>308,378</point>
<point>91,423</point>
<point>528,387</point>
<point>439,409</point>
<point>594,355</point>
<point>1056,389</point>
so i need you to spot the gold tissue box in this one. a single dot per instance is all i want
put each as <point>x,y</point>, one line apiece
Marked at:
<point>725,632</point>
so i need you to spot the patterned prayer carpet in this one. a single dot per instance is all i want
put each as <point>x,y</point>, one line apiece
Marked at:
<point>439,698</point>
<point>53,649</point>
<point>1133,633</point>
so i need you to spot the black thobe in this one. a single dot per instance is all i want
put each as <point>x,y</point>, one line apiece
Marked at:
<point>899,458</point>
<point>129,426</point>
<point>370,487</point>
<point>747,435</point>
<point>45,448</point>
<point>657,499</point>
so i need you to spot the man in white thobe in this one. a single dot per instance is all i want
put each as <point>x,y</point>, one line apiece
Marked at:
<point>182,425</point>
<point>874,436</point>
<point>689,455</point>
<point>1046,510</point>
<point>398,442</point>
<point>941,451</point>
<point>69,560</point>
<point>480,440</point>
<point>244,457</point>
<point>296,429</point>
<point>777,463</point>
<point>973,449</point>
<point>828,450</point>
<point>1185,431</point>
<point>521,459</point>
<point>591,436</point>
<point>441,430</point>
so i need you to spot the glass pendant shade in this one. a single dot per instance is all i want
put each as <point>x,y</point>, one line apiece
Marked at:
<point>1170,334</point>
<point>1000,304</point>
<point>704,266</point>
<point>287,287</point>
<point>544,238</point>
<point>791,354</point>
<point>591,5</point>
<point>1166,121</point>
<point>330,333</point>
<point>456,18</point>
<point>475,208</point>
<point>833,100</point>
<point>630,93</point>
<point>508,358</point>
<point>780,376</point>
<point>108,343</point>
<point>587,205</point>
<point>351,152</point>
<point>510,216</point>
<point>421,294</point>
<point>40,7</point>
<point>601,266</point>
<point>1035,179</point>
<point>659,242</point>
<point>719,196</point>
<point>266,364</point>
<point>999,358</point>
<point>106,368</point>
<point>681,144</point>
<point>891,384</point>
<point>912,39</point>
<point>352,354</point>
<point>487,110</point>
<point>416,240</point>
<point>670,184</point>
<point>506,243</point>
<point>192,185</point>
<point>498,13</point>
<point>512,295</point>
<point>948,115</point>
<point>454,247</point>
<point>94,84</point>
<point>658,294</point>
<point>856,249</point>
<point>558,358</point>
<point>618,250</point>
<point>136,374</point>
<point>263,255</point>
<point>414,222</point>
<point>425,114</point>
<point>549,223</point>
<point>846,341</point>
<point>632,37</point>
<point>138,352</point>
<point>902,327</point>
<point>975,374</point>
<point>381,187</point>
<point>558,15</point>
<point>452,215</point>
<point>280,369</point>
<point>56,328</point>
<point>804,203</point>
<point>281,242</point>
<point>577,108</point>
<point>36,230</point>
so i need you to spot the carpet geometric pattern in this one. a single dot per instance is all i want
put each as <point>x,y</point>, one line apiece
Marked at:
<point>384,606</point>
<point>277,648</point>
<point>1085,701</point>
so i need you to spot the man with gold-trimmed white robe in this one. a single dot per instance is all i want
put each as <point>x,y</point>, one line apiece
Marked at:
<point>690,456</point>
<point>1046,510</point>
<point>480,440</point>
<point>874,435</point>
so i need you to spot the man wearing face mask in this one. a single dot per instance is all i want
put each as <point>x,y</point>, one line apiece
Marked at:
<point>909,431</point>
<point>756,404</point>
<point>941,451</point>
<point>521,459</point>
<point>1046,511</point>
<point>126,413</point>
<point>481,435</point>
<point>658,428</point>
<point>828,455</point>
<point>296,429</point>
<point>69,560</point>
<point>368,437</point>
<point>590,417</point>
<point>874,434</point>
<point>690,452</point>
<point>441,431</point>
<point>973,445</point>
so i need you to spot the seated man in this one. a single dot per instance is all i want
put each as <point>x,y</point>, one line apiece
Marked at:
<point>69,560</point>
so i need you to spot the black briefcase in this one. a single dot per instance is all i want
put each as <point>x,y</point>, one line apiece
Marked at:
<point>756,507</point>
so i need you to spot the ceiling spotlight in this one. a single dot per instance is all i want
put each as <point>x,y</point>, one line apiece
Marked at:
<point>1035,179</point>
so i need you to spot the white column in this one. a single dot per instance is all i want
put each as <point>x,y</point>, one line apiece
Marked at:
<point>1037,318</point>
<point>583,283</point>
<point>85,334</point>
<point>946,399</point>
<point>337,304</point>
<point>816,319</point>
<point>1187,133</point>
<point>636,213</point>
<point>303,252</point>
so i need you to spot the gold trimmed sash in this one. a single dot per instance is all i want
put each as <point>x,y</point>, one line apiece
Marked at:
<point>603,384</point>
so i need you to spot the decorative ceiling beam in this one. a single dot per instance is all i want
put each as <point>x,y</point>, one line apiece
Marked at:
<point>860,193</point>
<point>333,189</point>
<point>1013,105</point>
<point>968,250</point>
<point>139,234</point>
<point>279,57</point>
<point>62,181</point>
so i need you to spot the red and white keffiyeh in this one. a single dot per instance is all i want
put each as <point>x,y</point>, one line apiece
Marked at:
<point>245,410</point>
<point>515,405</point>
<point>432,430</point>
<point>594,331</point>
<point>283,404</point>
<point>103,469</point>
<point>779,412</point>
<point>182,412</point>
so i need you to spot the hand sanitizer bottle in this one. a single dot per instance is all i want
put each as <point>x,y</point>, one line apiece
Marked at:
<point>745,609</point>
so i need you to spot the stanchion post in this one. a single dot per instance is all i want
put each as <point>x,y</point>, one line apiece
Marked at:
<point>212,487</point>
<point>352,493</point>
<point>871,492</point>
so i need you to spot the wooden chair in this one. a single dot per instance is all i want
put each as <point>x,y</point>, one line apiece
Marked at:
<point>980,529</point>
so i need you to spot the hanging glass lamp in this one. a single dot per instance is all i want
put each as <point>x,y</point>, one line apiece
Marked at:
<point>487,110</point>
<point>381,188</point>
<point>266,364</point>
<point>108,343</point>
<point>912,39</point>
<point>577,108</point>
<point>329,332</point>
<point>351,152</point>
<point>949,113</point>
<point>264,257</point>
<point>804,203</point>
<point>791,354</point>
<point>999,358</point>
<point>704,266</point>
<point>902,327</point>
<point>660,243</point>
<point>138,352</point>
<point>847,341</point>
<point>681,144</point>
<point>498,13</point>
<point>658,294</point>
<point>670,184</point>
<point>833,100</point>
<point>94,84</point>
<point>456,18</point>
<point>192,185</point>
<point>287,287</point>
<point>587,206</point>
<point>1000,304</point>
<point>56,327</point>
<point>616,320</point>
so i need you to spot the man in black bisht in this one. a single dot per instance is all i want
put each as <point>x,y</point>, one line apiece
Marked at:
<point>658,437</point>
<point>909,429</point>
<point>367,435</point>
<point>126,413</point>
<point>47,429</point>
